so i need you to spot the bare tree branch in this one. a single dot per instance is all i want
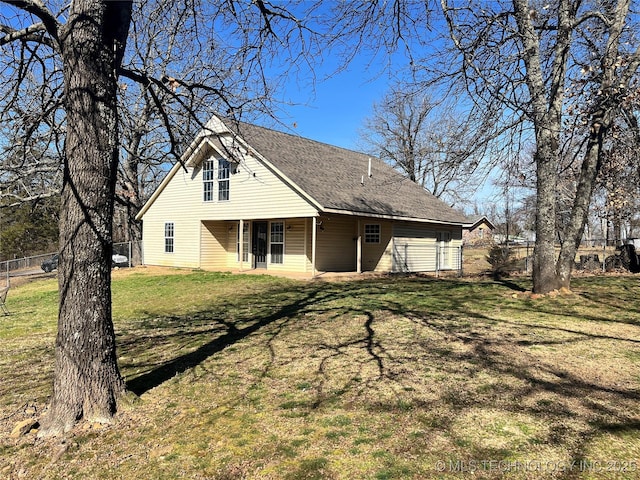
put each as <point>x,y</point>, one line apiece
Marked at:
<point>37,8</point>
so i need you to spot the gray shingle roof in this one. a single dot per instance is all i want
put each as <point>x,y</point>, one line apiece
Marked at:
<point>332,176</point>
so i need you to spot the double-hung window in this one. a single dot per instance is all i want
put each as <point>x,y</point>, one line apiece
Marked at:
<point>168,237</point>
<point>223,179</point>
<point>372,233</point>
<point>215,176</point>
<point>277,242</point>
<point>208,179</point>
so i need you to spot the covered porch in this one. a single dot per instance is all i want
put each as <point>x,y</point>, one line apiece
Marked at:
<point>311,245</point>
<point>323,244</point>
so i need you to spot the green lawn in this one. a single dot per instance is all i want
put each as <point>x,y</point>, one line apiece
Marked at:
<point>261,377</point>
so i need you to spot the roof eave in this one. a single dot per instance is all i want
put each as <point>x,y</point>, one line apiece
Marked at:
<point>390,217</point>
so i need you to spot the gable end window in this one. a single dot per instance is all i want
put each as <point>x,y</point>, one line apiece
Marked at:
<point>215,179</point>
<point>223,180</point>
<point>168,237</point>
<point>208,179</point>
<point>372,233</point>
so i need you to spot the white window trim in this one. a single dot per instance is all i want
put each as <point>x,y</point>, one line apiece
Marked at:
<point>378,233</point>
<point>284,229</point>
<point>219,180</point>
<point>245,251</point>
<point>172,237</point>
<point>212,181</point>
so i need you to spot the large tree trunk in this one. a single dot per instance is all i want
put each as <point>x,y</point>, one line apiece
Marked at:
<point>544,257</point>
<point>546,114</point>
<point>87,382</point>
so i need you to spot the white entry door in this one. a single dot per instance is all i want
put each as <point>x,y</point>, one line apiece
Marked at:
<point>444,248</point>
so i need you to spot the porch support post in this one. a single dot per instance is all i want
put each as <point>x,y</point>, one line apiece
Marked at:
<point>241,241</point>
<point>314,239</point>
<point>359,249</point>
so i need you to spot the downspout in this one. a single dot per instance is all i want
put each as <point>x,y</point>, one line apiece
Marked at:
<point>359,249</point>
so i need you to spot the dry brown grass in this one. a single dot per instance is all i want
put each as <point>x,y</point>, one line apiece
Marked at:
<point>257,377</point>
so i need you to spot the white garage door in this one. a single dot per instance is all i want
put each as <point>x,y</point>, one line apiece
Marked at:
<point>414,249</point>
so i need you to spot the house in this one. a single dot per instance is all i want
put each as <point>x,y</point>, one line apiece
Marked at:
<point>248,197</point>
<point>478,231</point>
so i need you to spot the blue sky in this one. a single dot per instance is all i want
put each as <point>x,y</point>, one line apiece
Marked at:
<point>335,108</point>
<point>336,111</point>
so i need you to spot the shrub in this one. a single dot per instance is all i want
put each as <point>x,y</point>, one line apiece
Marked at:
<point>502,260</point>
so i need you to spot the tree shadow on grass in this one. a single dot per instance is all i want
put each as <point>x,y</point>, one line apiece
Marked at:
<point>510,284</point>
<point>488,363</point>
<point>577,407</point>
<point>167,370</point>
<point>313,298</point>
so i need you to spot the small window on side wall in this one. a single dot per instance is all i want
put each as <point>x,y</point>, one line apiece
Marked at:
<point>372,233</point>
<point>168,237</point>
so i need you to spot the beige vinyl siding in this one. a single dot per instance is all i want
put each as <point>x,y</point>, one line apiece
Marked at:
<point>172,206</point>
<point>377,257</point>
<point>308,228</point>
<point>185,248</point>
<point>214,245</point>
<point>255,193</point>
<point>414,248</point>
<point>336,245</point>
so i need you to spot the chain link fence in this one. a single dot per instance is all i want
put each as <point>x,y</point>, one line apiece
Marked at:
<point>593,256</point>
<point>37,264</point>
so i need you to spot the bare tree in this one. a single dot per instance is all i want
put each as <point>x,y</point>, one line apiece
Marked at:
<point>619,179</point>
<point>164,50</point>
<point>536,60</point>
<point>427,142</point>
<point>64,65</point>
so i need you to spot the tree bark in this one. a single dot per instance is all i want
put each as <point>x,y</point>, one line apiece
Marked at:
<point>546,115</point>
<point>544,257</point>
<point>87,381</point>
